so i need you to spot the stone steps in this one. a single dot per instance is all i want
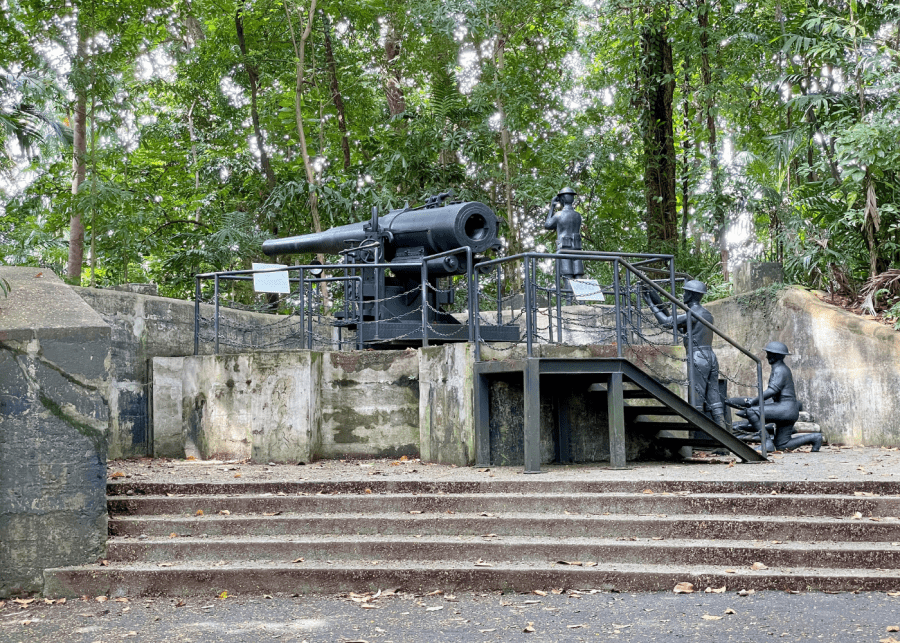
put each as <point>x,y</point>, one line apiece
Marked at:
<point>243,577</point>
<point>375,534</point>
<point>496,503</point>
<point>532,550</point>
<point>612,526</point>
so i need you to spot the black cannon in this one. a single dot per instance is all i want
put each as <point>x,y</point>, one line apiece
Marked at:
<point>387,301</point>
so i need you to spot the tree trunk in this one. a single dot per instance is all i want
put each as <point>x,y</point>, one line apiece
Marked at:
<point>300,52</point>
<point>79,170</point>
<point>254,111</point>
<point>686,164</point>
<point>659,142</point>
<point>336,93</point>
<point>392,89</point>
<point>719,217</point>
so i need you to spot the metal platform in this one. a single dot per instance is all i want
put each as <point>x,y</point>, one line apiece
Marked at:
<point>621,380</point>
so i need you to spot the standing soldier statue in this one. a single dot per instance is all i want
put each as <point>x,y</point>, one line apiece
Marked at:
<point>568,232</point>
<point>705,374</point>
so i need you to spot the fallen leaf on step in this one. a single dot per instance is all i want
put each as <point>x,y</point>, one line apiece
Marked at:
<point>758,566</point>
<point>23,601</point>
<point>590,564</point>
<point>224,512</point>
<point>481,563</point>
<point>709,617</point>
<point>271,513</point>
<point>730,611</point>
<point>647,491</point>
<point>297,560</point>
<point>889,639</point>
<point>556,591</point>
<point>731,571</point>
<point>656,538</point>
<point>540,593</point>
<point>368,490</point>
<point>199,512</point>
<point>893,628</point>
<point>856,516</point>
<point>237,475</point>
<point>863,493</point>
<point>684,588</point>
<point>529,628</point>
<point>746,592</point>
<point>415,512</point>
<point>166,565</point>
<point>569,562</point>
<point>893,593</point>
<point>484,513</point>
<point>101,599</point>
<point>223,595</point>
<point>573,627</point>
<point>716,590</point>
<point>492,629</point>
<point>104,563</point>
<point>434,609</point>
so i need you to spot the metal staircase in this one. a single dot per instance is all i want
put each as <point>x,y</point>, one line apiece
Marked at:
<point>621,382</point>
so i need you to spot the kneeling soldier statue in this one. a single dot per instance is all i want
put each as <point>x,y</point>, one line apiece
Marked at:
<point>781,405</point>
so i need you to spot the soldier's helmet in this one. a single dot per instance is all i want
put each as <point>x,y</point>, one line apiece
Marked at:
<point>695,286</point>
<point>567,190</point>
<point>777,348</point>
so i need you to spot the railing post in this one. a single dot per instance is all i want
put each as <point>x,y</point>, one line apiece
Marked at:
<point>472,295</point>
<point>197,316</point>
<point>424,275</point>
<point>559,333</point>
<point>302,288</point>
<point>690,358</point>
<point>499,296</point>
<point>672,292</point>
<point>764,433</point>
<point>528,322</point>
<point>618,308</point>
<point>216,318</point>
<point>477,307</point>
<point>309,316</point>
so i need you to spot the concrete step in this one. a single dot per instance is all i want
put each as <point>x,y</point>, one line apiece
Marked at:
<point>821,529</point>
<point>143,579</point>
<point>618,503</point>
<point>527,485</point>
<point>518,549</point>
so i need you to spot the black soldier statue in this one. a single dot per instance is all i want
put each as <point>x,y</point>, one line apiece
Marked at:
<point>781,405</point>
<point>568,232</point>
<point>705,374</point>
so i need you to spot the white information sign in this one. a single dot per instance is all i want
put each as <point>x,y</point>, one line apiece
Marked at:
<point>587,290</point>
<point>276,281</point>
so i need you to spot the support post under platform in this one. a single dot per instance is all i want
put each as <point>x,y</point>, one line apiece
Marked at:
<point>615,402</point>
<point>532,385</point>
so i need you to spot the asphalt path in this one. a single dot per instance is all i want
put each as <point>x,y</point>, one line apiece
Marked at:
<point>467,617</point>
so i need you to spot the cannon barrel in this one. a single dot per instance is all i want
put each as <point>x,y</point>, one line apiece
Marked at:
<point>436,230</point>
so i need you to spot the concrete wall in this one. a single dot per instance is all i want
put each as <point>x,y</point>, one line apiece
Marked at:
<point>845,367</point>
<point>54,421</point>
<point>259,406</point>
<point>370,404</point>
<point>144,327</point>
<point>289,407</point>
<point>446,431</point>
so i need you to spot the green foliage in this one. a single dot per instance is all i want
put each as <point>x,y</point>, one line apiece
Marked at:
<point>805,99</point>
